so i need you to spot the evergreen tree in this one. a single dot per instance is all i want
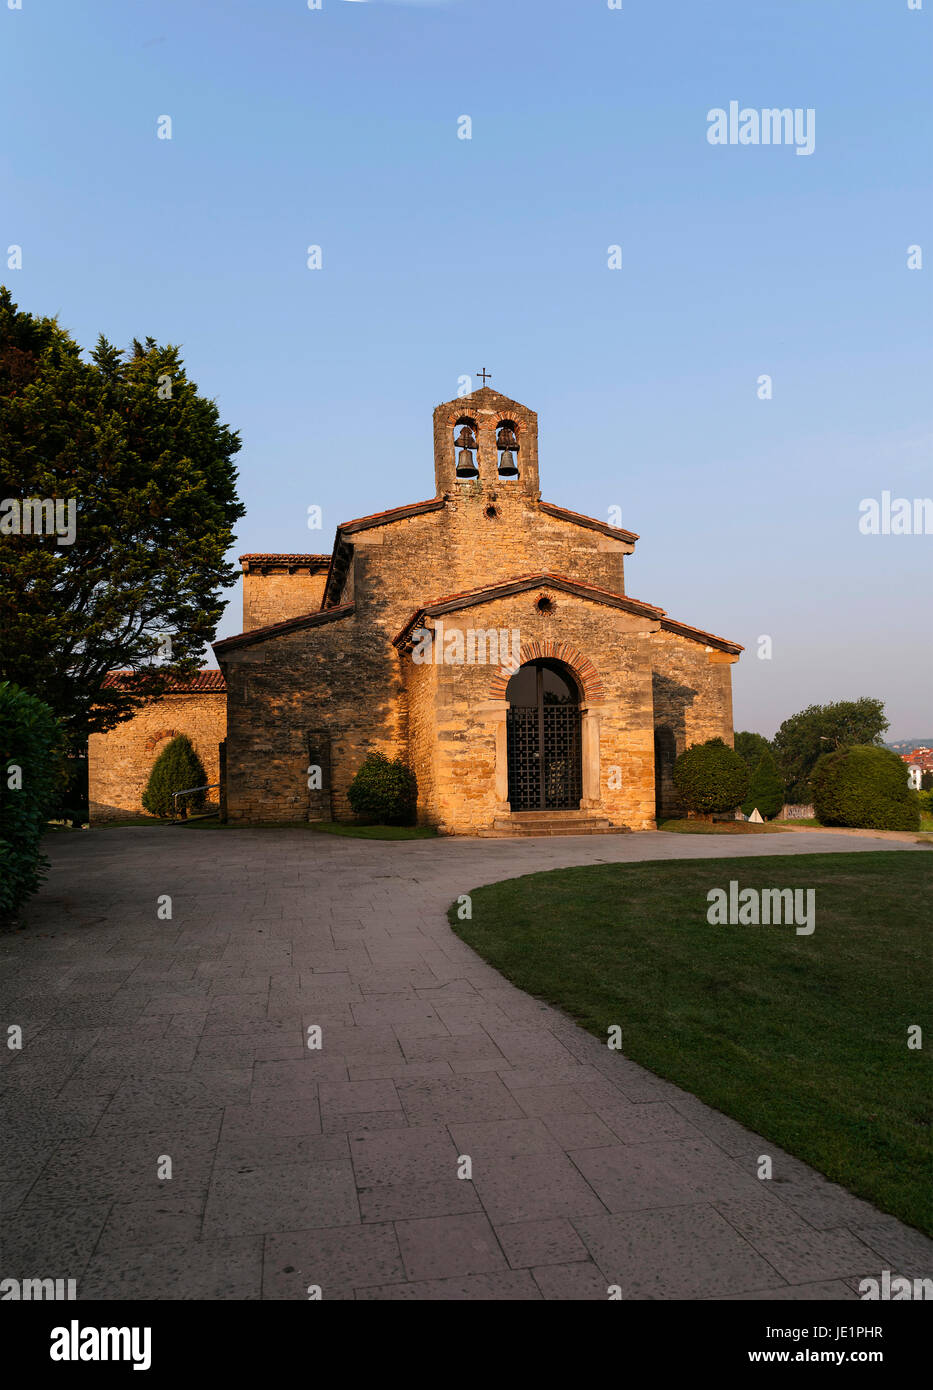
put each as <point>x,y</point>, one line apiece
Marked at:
<point>766,789</point>
<point>750,747</point>
<point>141,469</point>
<point>177,768</point>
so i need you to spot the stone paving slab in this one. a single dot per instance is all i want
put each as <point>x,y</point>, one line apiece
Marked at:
<point>452,1138</point>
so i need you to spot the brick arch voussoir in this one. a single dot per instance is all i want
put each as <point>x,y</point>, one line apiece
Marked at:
<point>153,739</point>
<point>594,692</point>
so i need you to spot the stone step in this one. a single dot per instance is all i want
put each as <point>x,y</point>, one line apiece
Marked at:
<point>527,832</point>
<point>553,823</point>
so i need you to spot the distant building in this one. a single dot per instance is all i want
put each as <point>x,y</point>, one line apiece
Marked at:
<point>920,757</point>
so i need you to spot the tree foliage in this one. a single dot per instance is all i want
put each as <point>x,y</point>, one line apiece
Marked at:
<point>765,789</point>
<point>147,462</point>
<point>805,737</point>
<point>176,769</point>
<point>864,786</point>
<point>31,767</point>
<point>384,791</point>
<point>750,748</point>
<point>711,777</point>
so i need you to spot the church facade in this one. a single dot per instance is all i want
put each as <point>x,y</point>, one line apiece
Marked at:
<point>486,637</point>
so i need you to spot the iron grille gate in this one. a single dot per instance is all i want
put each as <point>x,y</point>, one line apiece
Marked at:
<point>544,762</point>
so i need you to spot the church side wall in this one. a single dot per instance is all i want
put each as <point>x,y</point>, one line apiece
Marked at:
<point>340,680</point>
<point>692,691</point>
<point>119,762</point>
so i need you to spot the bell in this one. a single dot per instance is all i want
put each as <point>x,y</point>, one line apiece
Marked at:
<point>465,439</point>
<point>507,467</point>
<point>506,438</point>
<point>466,468</point>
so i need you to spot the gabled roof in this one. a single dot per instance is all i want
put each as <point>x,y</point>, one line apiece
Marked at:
<point>697,634</point>
<point>363,523</point>
<point>546,580</point>
<point>343,547</point>
<point>564,513</point>
<point>263,634</point>
<point>206,681</point>
<point>485,395</point>
<point>504,588</point>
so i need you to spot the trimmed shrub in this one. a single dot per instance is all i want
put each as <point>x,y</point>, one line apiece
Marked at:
<point>175,769</point>
<point>711,777</point>
<point>926,803</point>
<point>31,767</point>
<point>384,792</point>
<point>864,786</point>
<point>766,788</point>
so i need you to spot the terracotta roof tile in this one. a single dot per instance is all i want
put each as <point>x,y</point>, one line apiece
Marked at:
<point>207,680</point>
<point>268,557</point>
<point>697,634</point>
<point>361,523</point>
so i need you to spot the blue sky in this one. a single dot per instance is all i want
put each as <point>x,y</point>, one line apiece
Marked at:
<point>338,127</point>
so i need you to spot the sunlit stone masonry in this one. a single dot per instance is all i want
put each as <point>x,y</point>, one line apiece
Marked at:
<point>483,635</point>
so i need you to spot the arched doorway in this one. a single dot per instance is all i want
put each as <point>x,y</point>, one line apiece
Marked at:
<point>543,738</point>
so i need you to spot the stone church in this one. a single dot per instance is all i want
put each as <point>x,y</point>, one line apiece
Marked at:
<point>485,636</point>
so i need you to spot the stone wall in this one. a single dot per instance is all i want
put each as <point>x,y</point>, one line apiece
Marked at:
<point>341,679</point>
<point>346,678</point>
<point>119,762</point>
<point>398,567</point>
<point>276,589</point>
<point>692,691</point>
<point>346,681</point>
<point>607,650</point>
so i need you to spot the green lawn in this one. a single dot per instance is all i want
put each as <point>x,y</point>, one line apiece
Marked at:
<point>801,1038</point>
<point>719,827</point>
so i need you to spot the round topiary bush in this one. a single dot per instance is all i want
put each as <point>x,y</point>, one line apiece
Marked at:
<point>766,788</point>
<point>32,771</point>
<point>864,786</point>
<point>711,777</point>
<point>177,768</point>
<point>384,792</point>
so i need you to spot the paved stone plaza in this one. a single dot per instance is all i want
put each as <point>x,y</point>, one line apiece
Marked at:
<point>147,1039</point>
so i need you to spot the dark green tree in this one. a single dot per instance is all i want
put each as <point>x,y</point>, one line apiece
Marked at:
<point>176,769</point>
<point>711,777</point>
<point>31,779</point>
<point>766,788</point>
<point>750,748</point>
<point>820,729</point>
<point>864,786</point>
<point>146,465</point>
<point>384,791</point>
